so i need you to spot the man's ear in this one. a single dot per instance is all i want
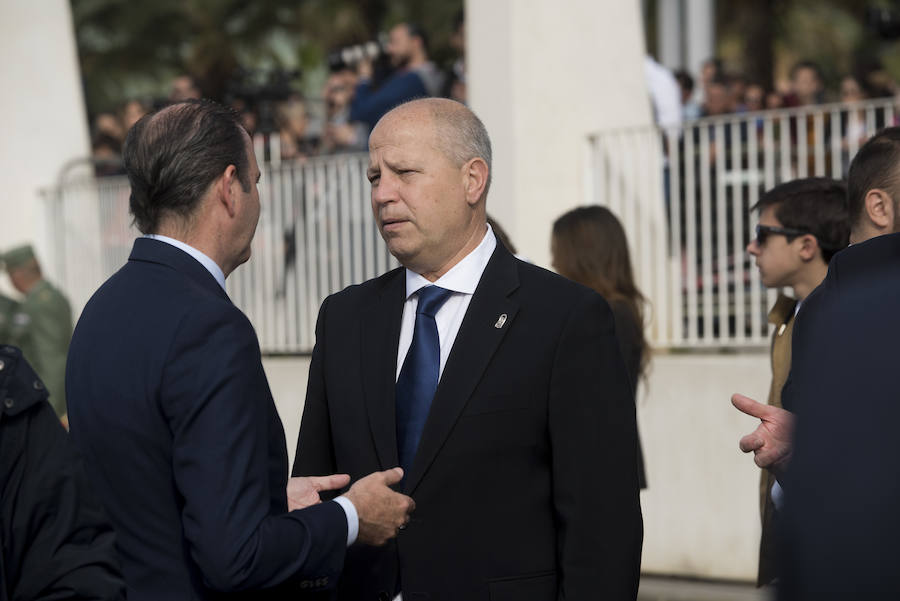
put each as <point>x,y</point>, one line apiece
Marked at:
<point>227,187</point>
<point>475,172</point>
<point>809,247</point>
<point>879,208</point>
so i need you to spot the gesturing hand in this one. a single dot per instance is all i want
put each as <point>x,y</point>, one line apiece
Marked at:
<point>303,492</point>
<point>382,512</point>
<point>772,441</point>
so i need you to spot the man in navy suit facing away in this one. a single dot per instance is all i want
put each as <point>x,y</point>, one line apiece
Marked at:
<point>168,401</point>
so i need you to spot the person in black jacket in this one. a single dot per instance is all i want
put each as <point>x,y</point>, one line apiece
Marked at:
<point>589,247</point>
<point>55,542</point>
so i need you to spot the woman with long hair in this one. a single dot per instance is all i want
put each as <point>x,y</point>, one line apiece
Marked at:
<point>589,247</point>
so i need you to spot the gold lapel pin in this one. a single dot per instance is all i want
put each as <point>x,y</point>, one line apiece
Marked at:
<point>782,329</point>
<point>500,321</point>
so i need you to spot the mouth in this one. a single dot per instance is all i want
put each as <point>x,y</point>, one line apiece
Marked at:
<point>392,224</point>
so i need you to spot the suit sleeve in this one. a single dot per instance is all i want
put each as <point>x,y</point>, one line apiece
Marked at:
<point>593,435</point>
<point>223,430</point>
<point>315,452</point>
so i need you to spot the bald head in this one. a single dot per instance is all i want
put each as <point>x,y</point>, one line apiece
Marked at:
<point>454,129</point>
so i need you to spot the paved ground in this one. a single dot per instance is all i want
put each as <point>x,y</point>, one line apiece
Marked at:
<point>658,588</point>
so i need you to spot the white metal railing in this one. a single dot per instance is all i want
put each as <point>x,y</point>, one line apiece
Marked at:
<point>316,235</point>
<point>684,195</point>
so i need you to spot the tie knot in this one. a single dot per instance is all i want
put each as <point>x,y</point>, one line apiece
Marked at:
<point>431,298</point>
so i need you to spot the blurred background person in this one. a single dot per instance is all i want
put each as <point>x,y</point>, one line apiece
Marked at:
<point>414,76</point>
<point>807,85</point>
<point>754,98</point>
<point>46,321</point>
<point>665,93</point>
<point>106,155</point>
<point>292,122</point>
<point>184,87</point>
<point>8,309</point>
<point>717,98</point>
<point>131,112</point>
<point>108,124</point>
<point>456,82</point>
<point>588,246</point>
<point>689,107</point>
<point>339,134</point>
<point>853,121</point>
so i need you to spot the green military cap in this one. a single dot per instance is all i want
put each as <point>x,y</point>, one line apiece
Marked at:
<point>18,256</point>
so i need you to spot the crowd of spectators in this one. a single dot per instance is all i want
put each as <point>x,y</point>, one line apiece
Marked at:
<point>722,92</point>
<point>362,84</point>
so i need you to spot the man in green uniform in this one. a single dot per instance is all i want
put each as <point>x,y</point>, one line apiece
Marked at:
<point>42,324</point>
<point>8,309</point>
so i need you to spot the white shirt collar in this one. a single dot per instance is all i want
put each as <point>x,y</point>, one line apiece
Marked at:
<point>462,277</point>
<point>211,266</point>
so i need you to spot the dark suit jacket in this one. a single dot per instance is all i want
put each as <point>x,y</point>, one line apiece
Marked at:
<point>840,534</point>
<point>170,407</point>
<point>525,480</point>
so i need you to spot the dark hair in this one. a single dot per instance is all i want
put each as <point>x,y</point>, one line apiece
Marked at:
<point>415,30</point>
<point>817,205</point>
<point>501,235</point>
<point>876,165</point>
<point>684,80</point>
<point>806,64</point>
<point>590,247</point>
<point>173,155</point>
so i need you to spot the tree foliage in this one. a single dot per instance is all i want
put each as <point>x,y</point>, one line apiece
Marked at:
<point>133,49</point>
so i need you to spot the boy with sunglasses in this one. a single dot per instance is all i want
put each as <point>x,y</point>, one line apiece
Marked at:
<point>802,224</point>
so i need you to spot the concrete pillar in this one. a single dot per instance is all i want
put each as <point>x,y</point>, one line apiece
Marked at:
<point>42,114</point>
<point>700,20</point>
<point>669,34</point>
<point>542,76</point>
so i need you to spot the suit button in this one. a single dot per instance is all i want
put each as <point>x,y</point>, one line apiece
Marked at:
<point>383,596</point>
<point>38,385</point>
<point>2,364</point>
<point>8,403</point>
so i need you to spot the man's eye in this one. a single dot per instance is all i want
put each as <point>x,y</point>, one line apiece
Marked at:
<point>373,178</point>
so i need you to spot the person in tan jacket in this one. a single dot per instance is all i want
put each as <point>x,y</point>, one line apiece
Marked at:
<point>802,224</point>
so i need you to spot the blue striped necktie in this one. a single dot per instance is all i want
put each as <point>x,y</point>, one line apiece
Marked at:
<point>419,375</point>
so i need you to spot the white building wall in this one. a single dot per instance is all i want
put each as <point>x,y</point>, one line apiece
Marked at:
<point>542,75</point>
<point>42,114</point>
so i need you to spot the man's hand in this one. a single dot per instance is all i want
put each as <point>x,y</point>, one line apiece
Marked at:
<point>303,492</point>
<point>772,441</point>
<point>382,512</point>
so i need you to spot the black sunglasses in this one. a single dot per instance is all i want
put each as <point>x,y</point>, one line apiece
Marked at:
<point>764,231</point>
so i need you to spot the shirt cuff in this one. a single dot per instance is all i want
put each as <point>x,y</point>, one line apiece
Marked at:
<point>777,495</point>
<point>352,518</point>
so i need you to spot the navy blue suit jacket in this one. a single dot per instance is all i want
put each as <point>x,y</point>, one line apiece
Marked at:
<point>840,523</point>
<point>170,407</point>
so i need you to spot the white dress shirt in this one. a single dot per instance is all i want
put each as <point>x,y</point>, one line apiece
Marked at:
<point>462,279</point>
<point>213,268</point>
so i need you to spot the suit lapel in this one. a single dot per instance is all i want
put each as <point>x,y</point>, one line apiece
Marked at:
<point>380,339</point>
<point>475,344</point>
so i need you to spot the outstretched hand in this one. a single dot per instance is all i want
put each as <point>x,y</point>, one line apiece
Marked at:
<point>303,492</point>
<point>772,441</point>
<point>382,512</point>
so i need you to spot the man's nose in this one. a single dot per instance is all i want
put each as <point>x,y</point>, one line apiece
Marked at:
<point>385,191</point>
<point>753,248</point>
